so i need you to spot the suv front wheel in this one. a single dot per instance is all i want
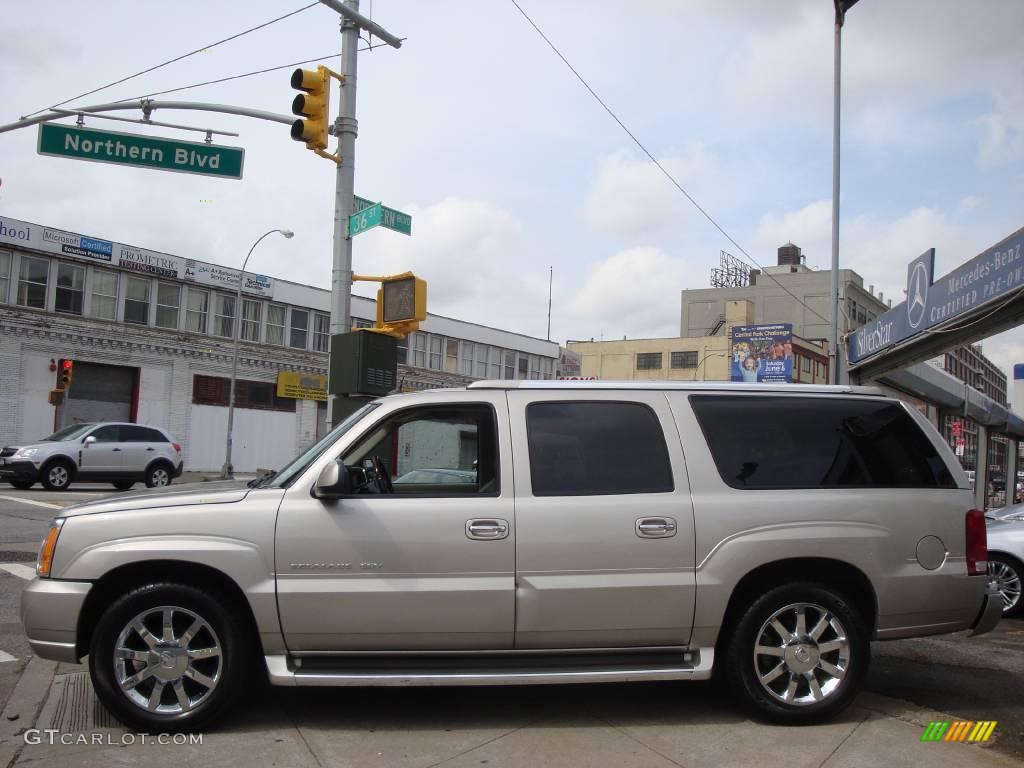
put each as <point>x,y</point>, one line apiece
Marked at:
<point>168,657</point>
<point>158,475</point>
<point>56,476</point>
<point>798,654</point>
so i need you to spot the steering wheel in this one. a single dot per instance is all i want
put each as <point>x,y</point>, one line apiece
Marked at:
<point>380,474</point>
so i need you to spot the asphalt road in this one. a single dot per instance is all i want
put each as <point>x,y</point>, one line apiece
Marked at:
<point>979,678</point>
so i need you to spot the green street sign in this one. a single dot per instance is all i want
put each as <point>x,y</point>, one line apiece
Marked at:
<point>396,220</point>
<point>365,219</point>
<point>140,151</point>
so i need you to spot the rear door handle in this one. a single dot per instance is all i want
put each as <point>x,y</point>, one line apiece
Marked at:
<point>115,449</point>
<point>151,448</point>
<point>655,527</point>
<point>486,529</point>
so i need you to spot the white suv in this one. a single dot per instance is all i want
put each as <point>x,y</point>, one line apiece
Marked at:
<point>110,451</point>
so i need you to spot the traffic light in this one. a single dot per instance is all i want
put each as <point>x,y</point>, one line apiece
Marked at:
<point>67,368</point>
<point>314,103</point>
<point>402,299</point>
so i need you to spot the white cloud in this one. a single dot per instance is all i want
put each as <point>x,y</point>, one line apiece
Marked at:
<point>634,292</point>
<point>631,199</point>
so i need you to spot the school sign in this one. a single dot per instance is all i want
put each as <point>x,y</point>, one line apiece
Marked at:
<point>140,151</point>
<point>989,277</point>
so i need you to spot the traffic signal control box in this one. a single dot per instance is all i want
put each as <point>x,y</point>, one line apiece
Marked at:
<point>363,364</point>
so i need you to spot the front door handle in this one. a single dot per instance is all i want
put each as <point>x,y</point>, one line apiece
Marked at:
<point>486,529</point>
<point>115,449</point>
<point>655,527</point>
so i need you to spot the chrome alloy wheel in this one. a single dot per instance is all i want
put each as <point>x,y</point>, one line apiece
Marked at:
<point>160,477</point>
<point>802,654</point>
<point>58,475</point>
<point>1007,581</point>
<point>167,660</point>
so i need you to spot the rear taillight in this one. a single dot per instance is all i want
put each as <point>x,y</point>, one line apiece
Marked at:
<point>977,544</point>
<point>176,447</point>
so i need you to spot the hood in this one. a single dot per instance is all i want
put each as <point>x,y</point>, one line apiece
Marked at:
<point>220,492</point>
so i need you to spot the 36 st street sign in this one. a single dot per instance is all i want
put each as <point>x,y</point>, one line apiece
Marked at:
<point>140,151</point>
<point>389,217</point>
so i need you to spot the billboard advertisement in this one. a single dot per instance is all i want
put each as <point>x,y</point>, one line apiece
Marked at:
<point>762,353</point>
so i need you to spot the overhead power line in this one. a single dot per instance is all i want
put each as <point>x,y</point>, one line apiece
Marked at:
<point>175,59</point>
<point>662,168</point>
<point>249,74</point>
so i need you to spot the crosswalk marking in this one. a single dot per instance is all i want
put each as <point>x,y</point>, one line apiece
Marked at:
<point>4,656</point>
<point>26,572</point>
<point>33,502</point>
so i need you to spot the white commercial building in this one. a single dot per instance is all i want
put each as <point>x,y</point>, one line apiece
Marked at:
<point>150,337</point>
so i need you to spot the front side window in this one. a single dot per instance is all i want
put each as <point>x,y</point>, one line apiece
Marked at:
<point>104,294</point>
<point>136,301</point>
<point>449,450</point>
<point>596,448</point>
<point>70,289</point>
<point>168,297</point>
<point>299,329</point>
<point>251,310</point>
<point>197,310</point>
<point>5,275</point>
<point>275,324</point>
<point>111,433</point>
<point>787,442</point>
<point>32,280</point>
<point>321,333</point>
<point>224,323</point>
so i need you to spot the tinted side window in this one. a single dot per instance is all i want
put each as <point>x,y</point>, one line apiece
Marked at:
<point>107,434</point>
<point>785,442</point>
<point>133,434</point>
<point>596,448</point>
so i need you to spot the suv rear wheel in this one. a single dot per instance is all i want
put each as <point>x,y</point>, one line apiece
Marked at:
<point>158,475</point>
<point>798,654</point>
<point>56,475</point>
<point>168,657</point>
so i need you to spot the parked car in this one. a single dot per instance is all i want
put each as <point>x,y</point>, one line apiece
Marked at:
<point>612,531</point>
<point>122,454</point>
<point>1006,561</point>
<point>1009,512</point>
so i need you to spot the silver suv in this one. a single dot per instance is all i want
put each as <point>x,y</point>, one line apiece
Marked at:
<point>590,532</point>
<point>122,454</point>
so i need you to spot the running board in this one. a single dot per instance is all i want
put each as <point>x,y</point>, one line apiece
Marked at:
<point>383,671</point>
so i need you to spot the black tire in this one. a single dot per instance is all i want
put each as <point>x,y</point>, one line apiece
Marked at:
<point>168,663</point>
<point>123,485</point>
<point>796,660</point>
<point>57,475</point>
<point>1008,574</point>
<point>159,474</point>
<point>22,485</point>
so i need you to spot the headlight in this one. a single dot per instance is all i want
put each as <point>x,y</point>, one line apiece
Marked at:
<point>25,453</point>
<point>47,548</point>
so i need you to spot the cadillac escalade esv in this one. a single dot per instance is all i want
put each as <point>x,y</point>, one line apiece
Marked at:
<point>559,532</point>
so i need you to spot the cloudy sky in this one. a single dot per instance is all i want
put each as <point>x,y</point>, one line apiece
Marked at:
<point>509,167</point>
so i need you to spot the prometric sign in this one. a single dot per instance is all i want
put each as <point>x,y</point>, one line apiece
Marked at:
<point>140,151</point>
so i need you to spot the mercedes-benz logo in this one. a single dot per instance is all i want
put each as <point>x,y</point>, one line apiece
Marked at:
<point>917,294</point>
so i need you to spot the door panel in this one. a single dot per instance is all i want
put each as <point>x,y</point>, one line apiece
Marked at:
<point>588,574</point>
<point>399,571</point>
<point>105,455</point>
<point>138,447</point>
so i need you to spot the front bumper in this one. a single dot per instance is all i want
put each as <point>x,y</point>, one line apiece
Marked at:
<point>49,613</point>
<point>991,611</point>
<point>18,469</point>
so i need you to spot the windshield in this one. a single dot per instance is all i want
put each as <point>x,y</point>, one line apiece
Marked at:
<point>297,465</point>
<point>69,433</point>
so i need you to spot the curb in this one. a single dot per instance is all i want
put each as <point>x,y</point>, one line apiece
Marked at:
<point>24,706</point>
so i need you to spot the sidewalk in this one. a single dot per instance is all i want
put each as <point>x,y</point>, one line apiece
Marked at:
<point>626,726</point>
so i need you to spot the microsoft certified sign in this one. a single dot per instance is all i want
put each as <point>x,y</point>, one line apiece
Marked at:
<point>140,151</point>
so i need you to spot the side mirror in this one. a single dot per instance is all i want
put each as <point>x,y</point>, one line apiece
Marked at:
<point>89,440</point>
<point>334,481</point>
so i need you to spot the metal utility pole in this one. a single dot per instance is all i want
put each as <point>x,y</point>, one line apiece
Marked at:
<point>346,128</point>
<point>842,6</point>
<point>551,280</point>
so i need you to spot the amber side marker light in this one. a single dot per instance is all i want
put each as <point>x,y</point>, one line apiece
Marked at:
<point>46,550</point>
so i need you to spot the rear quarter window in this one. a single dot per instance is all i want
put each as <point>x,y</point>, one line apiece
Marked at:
<point>596,448</point>
<point>788,442</point>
